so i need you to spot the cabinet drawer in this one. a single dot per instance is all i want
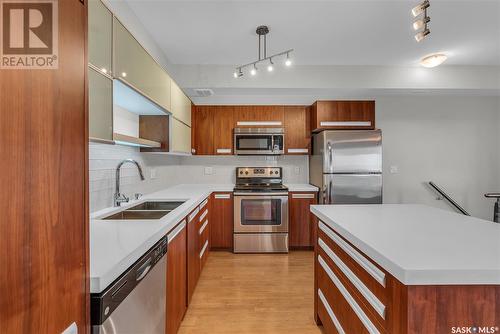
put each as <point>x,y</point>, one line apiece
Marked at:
<point>348,311</point>
<point>330,321</point>
<point>204,254</point>
<point>203,233</point>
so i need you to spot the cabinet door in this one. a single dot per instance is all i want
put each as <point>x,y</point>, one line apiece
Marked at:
<point>181,104</point>
<point>297,130</point>
<point>255,116</point>
<point>180,138</point>
<point>301,219</point>
<point>100,39</point>
<point>342,115</point>
<point>203,130</point>
<point>224,121</point>
<point>221,225</point>
<point>135,66</point>
<point>100,106</point>
<point>176,281</point>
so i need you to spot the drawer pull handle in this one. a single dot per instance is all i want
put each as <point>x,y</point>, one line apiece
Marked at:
<point>303,195</point>
<point>224,150</point>
<point>202,228</point>
<point>298,150</point>
<point>376,273</point>
<point>259,123</point>
<point>204,249</point>
<point>193,215</point>
<point>171,236</point>
<point>345,123</point>
<point>203,215</point>
<point>335,321</point>
<point>369,296</point>
<point>222,196</point>
<point>203,203</point>
<point>370,327</point>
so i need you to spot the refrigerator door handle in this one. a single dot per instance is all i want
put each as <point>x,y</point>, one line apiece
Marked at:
<point>330,156</point>
<point>330,196</point>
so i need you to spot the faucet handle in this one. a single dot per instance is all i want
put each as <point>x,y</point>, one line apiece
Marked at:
<point>137,196</point>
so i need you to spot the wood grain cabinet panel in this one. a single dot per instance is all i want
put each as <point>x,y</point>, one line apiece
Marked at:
<point>203,130</point>
<point>259,114</point>
<point>301,219</point>
<point>224,122</point>
<point>44,202</point>
<point>342,115</point>
<point>176,280</point>
<point>297,130</point>
<point>221,226</point>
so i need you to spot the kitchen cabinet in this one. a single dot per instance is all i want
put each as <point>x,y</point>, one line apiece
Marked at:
<point>301,219</point>
<point>193,266</point>
<point>221,230</point>
<point>100,106</point>
<point>44,284</point>
<point>224,122</point>
<point>203,130</point>
<point>155,128</point>
<point>297,130</point>
<point>176,277</point>
<point>180,138</point>
<point>180,105</point>
<point>341,115</point>
<point>100,40</point>
<point>259,116</point>
<point>204,223</point>
<point>133,65</point>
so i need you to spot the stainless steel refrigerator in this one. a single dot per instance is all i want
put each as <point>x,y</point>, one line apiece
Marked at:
<point>347,166</point>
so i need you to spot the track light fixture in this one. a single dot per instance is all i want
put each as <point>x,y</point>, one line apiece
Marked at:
<point>423,21</point>
<point>262,32</point>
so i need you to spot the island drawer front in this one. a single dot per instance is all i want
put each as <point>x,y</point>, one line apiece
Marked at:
<point>347,310</point>
<point>365,269</point>
<point>204,253</point>
<point>372,306</point>
<point>330,321</point>
<point>203,234</point>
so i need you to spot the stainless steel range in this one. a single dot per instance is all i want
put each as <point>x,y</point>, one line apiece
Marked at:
<point>260,211</point>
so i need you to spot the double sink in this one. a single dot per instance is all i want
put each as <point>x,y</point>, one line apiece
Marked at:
<point>146,210</point>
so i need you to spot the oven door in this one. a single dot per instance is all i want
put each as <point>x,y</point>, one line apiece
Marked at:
<point>248,144</point>
<point>260,213</point>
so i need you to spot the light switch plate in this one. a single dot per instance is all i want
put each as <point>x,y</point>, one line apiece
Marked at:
<point>153,173</point>
<point>209,170</point>
<point>394,169</point>
<point>296,170</point>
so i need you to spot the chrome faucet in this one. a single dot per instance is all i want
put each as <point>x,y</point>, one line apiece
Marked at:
<point>121,198</point>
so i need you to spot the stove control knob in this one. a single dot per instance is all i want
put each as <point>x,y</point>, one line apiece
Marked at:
<point>241,172</point>
<point>246,173</point>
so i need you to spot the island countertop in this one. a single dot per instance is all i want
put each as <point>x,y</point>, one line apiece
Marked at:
<point>420,245</point>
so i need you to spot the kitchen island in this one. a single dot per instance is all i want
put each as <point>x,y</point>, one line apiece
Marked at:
<point>405,269</point>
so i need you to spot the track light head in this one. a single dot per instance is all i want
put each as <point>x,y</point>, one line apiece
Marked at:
<point>417,10</point>
<point>421,23</point>
<point>270,67</point>
<point>288,61</point>
<point>421,35</point>
<point>253,71</point>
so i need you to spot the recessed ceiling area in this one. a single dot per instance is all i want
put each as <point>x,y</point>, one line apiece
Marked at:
<point>322,32</point>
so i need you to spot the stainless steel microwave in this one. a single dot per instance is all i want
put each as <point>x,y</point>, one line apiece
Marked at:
<point>259,141</point>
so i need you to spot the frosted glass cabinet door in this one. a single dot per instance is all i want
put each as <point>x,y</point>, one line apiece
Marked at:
<point>100,106</point>
<point>181,104</point>
<point>180,137</point>
<point>100,35</point>
<point>135,66</point>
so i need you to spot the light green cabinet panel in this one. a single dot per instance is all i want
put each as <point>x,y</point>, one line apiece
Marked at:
<point>100,27</point>
<point>135,66</point>
<point>180,138</point>
<point>100,106</point>
<point>181,104</point>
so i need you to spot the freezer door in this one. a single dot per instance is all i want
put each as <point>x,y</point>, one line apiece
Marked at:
<point>351,151</point>
<point>352,189</point>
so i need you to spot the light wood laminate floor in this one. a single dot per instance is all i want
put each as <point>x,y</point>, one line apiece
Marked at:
<point>254,293</point>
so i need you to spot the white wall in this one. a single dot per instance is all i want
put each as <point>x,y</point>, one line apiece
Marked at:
<point>453,141</point>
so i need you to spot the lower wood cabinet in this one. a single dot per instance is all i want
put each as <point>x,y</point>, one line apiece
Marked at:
<point>301,219</point>
<point>176,278</point>
<point>221,229</point>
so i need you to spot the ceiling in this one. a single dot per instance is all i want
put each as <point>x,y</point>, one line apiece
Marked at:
<point>349,32</point>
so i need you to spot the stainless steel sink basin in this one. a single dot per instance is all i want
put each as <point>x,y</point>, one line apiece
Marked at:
<point>137,214</point>
<point>157,205</point>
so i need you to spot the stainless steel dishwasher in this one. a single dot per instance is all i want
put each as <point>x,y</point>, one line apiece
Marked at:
<point>136,301</point>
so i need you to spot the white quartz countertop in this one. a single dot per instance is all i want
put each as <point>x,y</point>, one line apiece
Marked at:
<point>116,244</point>
<point>420,245</point>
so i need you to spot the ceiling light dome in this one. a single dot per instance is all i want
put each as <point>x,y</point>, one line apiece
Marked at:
<point>433,60</point>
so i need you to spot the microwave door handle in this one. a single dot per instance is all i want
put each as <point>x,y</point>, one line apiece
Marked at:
<point>272,143</point>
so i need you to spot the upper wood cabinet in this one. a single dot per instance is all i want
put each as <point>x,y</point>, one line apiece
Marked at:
<point>100,106</point>
<point>133,65</point>
<point>224,123</point>
<point>180,137</point>
<point>297,130</point>
<point>341,115</point>
<point>203,131</point>
<point>259,116</point>
<point>181,104</point>
<point>100,40</point>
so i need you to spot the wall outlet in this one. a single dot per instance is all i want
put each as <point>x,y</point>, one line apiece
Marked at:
<point>153,173</point>
<point>394,169</point>
<point>209,170</point>
<point>296,170</point>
